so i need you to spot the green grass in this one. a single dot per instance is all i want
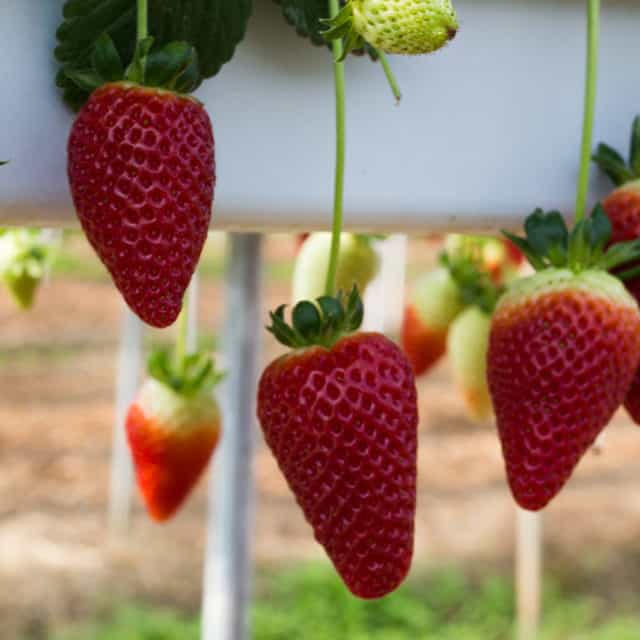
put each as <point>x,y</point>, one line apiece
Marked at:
<point>312,604</point>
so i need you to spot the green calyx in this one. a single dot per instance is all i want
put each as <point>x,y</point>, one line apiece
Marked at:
<point>321,324</point>
<point>173,67</point>
<point>549,244</point>
<point>614,165</point>
<point>474,284</point>
<point>341,27</point>
<point>191,376</point>
<point>2,162</point>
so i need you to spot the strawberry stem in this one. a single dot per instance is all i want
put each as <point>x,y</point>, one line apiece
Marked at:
<point>391,79</point>
<point>593,31</point>
<point>143,20</point>
<point>338,201</point>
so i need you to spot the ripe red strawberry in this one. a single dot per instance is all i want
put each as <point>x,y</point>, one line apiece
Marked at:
<point>563,350</point>
<point>173,428</point>
<point>622,207</point>
<point>434,303</point>
<point>340,415</point>
<point>141,170</point>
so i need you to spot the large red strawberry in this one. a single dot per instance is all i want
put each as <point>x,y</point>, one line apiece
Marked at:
<point>340,415</point>
<point>173,428</point>
<point>622,206</point>
<point>433,304</point>
<point>142,175</point>
<point>563,349</point>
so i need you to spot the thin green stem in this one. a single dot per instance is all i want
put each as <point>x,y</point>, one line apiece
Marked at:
<point>143,20</point>
<point>338,201</point>
<point>593,31</point>
<point>391,79</point>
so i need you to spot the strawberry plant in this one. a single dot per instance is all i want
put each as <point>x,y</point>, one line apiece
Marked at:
<point>339,410</point>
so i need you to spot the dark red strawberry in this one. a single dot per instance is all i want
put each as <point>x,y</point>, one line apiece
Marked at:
<point>563,350</point>
<point>340,415</point>
<point>141,170</point>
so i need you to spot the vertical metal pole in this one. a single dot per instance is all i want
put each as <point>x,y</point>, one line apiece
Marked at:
<point>228,569</point>
<point>127,380</point>
<point>528,573</point>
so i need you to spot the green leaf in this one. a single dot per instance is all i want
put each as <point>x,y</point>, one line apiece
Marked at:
<point>306,17</point>
<point>306,320</point>
<point>213,27</point>
<point>546,232</point>
<point>165,65</point>
<point>600,228</point>
<point>612,164</point>
<point>85,80</point>
<point>106,60</point>
<point>536,262</point>
<point>634,151</point>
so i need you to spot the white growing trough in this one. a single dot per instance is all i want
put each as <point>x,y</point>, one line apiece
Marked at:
<point>488,129</point>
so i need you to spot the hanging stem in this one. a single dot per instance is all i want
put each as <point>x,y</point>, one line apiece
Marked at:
<point>338,201</point>
<point>391,79</point>
<point>143,20</point>
<point>593,31</point>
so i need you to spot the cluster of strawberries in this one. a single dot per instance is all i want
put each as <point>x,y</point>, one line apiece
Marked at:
<point>560,350</point>
<point>449,311</point>
<point>339,410</point>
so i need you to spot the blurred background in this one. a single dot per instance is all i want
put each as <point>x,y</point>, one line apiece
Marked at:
<point>63,577</point>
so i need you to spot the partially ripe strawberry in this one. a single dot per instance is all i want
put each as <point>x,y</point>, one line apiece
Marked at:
<point>173,428</point>
<point>433,304</point>
<point>339,413</point>
<point>141,170</point>
<point>563,350</point>
<point>467,345</point>
<point>358,264</point>
<point>396,26</point>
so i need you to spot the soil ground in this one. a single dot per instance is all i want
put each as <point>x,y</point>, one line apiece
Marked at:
<point>57,367</point>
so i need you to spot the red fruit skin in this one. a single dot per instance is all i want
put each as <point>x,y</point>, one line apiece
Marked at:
<point>558,369</point>
<point>342,425</point>
<point>142,175</point>
<point>167,464</point>
<point>623,209</point>
<point>423,345</point>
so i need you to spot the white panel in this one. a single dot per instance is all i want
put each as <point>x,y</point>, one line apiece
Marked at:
<point>488,128</point>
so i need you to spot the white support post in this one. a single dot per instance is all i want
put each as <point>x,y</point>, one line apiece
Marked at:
<point>384,298</point>
<point>228,562</point>
<point>528,573</point>
<point>192,311</point>
<point>127,380</point>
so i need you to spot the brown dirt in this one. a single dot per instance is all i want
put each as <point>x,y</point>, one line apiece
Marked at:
<point>56,420</point>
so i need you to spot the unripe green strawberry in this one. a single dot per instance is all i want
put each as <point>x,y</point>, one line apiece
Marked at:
<point>23,260</point>
<point>395,26</point>
<point>405,26</point>
<point>358,264</point>
<point>467,344</point>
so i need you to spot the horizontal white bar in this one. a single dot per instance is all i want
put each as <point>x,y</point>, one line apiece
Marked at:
<point>488,128</point>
